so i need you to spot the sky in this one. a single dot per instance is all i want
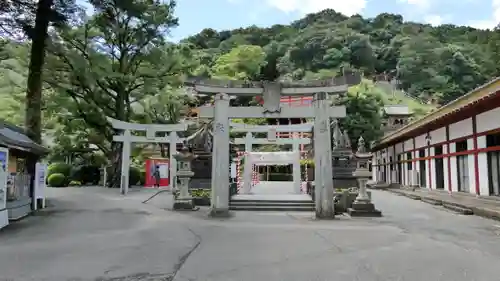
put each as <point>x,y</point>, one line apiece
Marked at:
<point>195,15</point>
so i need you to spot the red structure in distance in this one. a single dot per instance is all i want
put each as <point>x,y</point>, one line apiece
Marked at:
<point>151,165</point>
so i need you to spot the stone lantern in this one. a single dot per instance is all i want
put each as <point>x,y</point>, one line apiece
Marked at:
<point>184,173</point>
<point>362,206</point>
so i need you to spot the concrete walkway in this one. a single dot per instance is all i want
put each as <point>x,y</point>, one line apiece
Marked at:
<point>480,206</point>
<point>92,234</point>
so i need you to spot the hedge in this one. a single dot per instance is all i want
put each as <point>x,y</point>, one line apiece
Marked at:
<point>57,180</point>
<point>59,168</point>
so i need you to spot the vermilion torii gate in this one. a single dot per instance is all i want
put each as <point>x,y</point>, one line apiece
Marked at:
<point>320,110</point>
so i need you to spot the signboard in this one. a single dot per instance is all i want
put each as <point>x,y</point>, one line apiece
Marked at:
<point>40,180</point>
<point>4,163</point>
<point>233,170</point>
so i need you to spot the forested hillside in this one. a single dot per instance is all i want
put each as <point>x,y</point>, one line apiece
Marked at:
<point>441,62</point>
<point>118,63</point>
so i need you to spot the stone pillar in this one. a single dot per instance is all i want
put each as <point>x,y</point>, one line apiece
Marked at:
<point>297,181</point>
<point>247,172</point>
<point>220,157</point>
<point>126,147</point>
<point>323,158</point>
<point>173,162</point>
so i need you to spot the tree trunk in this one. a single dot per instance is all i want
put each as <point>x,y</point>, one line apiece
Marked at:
<point>114,173</point>
<point>33,112</point>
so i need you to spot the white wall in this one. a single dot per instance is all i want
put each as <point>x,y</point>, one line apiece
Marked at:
<point>438,135</point>
<point>432,177</point>
<point>409,144</point>
<point>445,167</point>
<point>484,183</point>
<point>399,148</point>
<point>461,129</point>
<point>420,141</point>
<point>453,163</point>
<point>488,120</point>
<point>471,166</point>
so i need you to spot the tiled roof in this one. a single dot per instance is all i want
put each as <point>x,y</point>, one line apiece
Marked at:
<point>13,137</point>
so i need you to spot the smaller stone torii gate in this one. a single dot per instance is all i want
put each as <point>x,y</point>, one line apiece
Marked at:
<point>320,110</point>
<point>249,141</point>
<point>151,129</point>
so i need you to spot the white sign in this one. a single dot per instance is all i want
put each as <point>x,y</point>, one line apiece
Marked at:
<point>163,169</point>
<point>233,170</point>
<point>40,186</point>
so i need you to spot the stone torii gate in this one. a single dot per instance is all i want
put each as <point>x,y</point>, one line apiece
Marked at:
<point>249,141</point>
<point>272,92</point>
<point>151,129</point>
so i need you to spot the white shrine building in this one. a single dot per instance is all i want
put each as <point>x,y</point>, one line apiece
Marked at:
<point>455,148</point>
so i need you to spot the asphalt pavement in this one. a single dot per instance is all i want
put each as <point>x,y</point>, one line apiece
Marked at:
<point>96,234</point>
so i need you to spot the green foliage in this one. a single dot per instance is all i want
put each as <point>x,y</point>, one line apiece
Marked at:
<point>57,180</point>
<point>75,183</point>
<point>59,168</point>
<point>142,178</point>
<point>201,193</point>
<point>134,175</point>
<point>86,174</point>
<point>308,162</point>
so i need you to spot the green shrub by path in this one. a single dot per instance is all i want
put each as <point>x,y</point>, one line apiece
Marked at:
<point>86,174</point>
<point>59,168</point>
<point>134,175</point>
<point>308,162</point>
<point>142,178</point>
<point>75,183</point>
<point>201,193</point>
<point>57,180</point>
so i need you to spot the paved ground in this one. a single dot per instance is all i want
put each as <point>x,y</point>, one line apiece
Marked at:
<point>95,234</point>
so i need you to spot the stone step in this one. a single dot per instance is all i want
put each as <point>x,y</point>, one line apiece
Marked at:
<point>272,205</point>
<point>458,209</point>
<point>280,208</point>
<point>290,204</point>
<point>272,201</point>
<point>432,201</point>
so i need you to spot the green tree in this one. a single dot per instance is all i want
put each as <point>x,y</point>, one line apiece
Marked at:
<point>114,60</point>
<point>363,106</point>
<point>242,63</point>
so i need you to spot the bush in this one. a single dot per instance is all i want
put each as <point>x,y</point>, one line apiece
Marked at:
<point>86,174</point>
<point>201,193</point>
<point>59,168</point>
<point>57,180</point>
<point>134,175</point>
<point>75,183</point>
<point>142,178</point>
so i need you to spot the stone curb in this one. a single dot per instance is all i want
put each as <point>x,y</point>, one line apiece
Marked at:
<point>484,212</point>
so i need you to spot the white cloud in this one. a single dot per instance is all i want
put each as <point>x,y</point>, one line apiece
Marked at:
<point>493,21</point>
<point>421,4</point>
<point>346,7</point>
<point>434,20</point>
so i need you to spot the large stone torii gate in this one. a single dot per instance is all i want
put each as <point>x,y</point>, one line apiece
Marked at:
<point>272,92</point>
<point>249,141</point>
